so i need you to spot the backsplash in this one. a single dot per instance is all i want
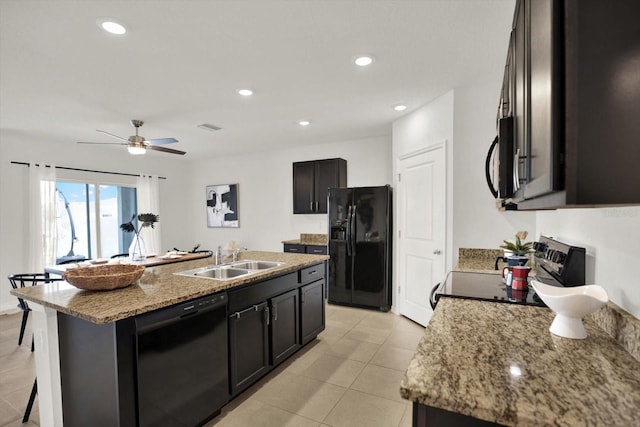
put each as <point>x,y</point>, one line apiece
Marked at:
<point>621,326</point>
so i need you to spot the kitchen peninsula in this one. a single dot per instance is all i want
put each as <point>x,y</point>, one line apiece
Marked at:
<point>484,363</point>
<point>84,338</point>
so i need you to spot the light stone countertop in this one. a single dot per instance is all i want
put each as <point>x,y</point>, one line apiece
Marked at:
<point>158,287</point>
<point>500,363</point>
<point>308,239</point>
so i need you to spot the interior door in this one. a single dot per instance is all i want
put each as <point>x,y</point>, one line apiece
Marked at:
<point>421,237</point>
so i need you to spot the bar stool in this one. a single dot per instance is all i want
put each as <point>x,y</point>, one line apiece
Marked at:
<point>21,281</point>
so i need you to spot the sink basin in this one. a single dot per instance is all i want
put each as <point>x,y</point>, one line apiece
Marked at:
<point>256,265</point>
<point>221,273</point>
<point>231,271</point>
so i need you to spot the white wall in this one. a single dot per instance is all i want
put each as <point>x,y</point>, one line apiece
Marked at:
<point>266,191</point>
<point>14,184</point>
<point>610,236</point>
<point>477,223</point>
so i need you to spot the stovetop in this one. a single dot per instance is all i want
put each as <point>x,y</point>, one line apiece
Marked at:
<point>486,287</point>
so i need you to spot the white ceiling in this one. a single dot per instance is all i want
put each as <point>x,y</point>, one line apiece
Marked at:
<point>181,62</point>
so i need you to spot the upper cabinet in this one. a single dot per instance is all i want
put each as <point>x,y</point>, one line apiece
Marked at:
<point>571,89</point>
<point>311,182</point>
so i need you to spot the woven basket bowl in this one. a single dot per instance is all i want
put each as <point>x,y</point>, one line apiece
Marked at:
<point>104,277</point>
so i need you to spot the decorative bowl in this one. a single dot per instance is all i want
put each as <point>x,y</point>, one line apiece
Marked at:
<point>104,277</point>
<point>570,305</point>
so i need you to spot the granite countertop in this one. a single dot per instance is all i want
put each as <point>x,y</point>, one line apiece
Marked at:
<point>308,239</point>
<point>500,363</point>
<point>158,287</point>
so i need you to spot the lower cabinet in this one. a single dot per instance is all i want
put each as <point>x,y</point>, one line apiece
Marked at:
<point>248,346</point>
<point>311,310</point>
<point>271,320</point>
<point>284,326</point>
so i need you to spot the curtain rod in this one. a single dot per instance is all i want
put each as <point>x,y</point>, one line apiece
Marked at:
<point>85,170</point>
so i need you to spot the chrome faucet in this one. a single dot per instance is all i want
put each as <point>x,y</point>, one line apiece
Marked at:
<point>236,252</point>
<point>218,256</point>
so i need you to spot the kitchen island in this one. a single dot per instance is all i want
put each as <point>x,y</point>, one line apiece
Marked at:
<point>89,338</point>
<point>486,363</point>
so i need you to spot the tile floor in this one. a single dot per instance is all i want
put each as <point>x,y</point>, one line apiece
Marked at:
<point>350,376</point>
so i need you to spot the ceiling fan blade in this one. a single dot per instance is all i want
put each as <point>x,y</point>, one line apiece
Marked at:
<point>166,150</point>
<point>159,141</point>
<point>112,135</point>
<point>103,143</point>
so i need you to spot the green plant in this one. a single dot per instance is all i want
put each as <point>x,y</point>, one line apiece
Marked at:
<point>144,219</point>
<point>518,247</point>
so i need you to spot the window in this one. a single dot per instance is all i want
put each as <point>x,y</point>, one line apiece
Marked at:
<point>88,218</point>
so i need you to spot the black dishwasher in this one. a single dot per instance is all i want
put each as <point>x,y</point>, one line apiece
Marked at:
<point>182,362</point>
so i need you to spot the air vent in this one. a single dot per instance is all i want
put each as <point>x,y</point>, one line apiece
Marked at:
<point>209,127</point>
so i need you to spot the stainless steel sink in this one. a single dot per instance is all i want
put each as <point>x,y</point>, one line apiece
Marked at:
<point>256,265</point>
<point>221,273</point>
<point>231,271</point>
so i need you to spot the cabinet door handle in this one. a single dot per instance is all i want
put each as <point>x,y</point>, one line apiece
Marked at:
<point>266,315</point>
<point>317,206</point>
<point>312,272</point>
<point>311,206</point>
<point>516,167</point>
<point>275,313</point>
<point>238,314</point>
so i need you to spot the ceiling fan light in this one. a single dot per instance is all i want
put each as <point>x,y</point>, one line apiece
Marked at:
<point>136,150</point>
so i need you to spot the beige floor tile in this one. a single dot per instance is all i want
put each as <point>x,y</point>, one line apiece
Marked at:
<point>407,417</point>
<point>408,325</point>
<point>257,414</point>
<point>300,395</point>
<point>379,381</point>
<point>348,348</point>
<point>392,357</point>
<point>16,379</point>
<point>334,370</point>
<point>407,340</point>
<point>358,409</point>
<point>8,413</point>
<point>333,331</point>
<point>380,319</point>
<point>369,334</point>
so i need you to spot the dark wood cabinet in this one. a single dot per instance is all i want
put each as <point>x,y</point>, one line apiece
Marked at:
<point>265,320</point>
<point>311,181</point>
<point>569,96</point>
<point>284,326</point>
<point>305,249</point>
<point>248,346</point>
<point>311,310</point>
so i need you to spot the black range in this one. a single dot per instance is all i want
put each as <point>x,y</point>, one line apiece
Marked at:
<point>482,286</point>
<point>557,264</point>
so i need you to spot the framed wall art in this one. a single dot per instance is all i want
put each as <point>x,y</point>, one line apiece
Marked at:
<point>222,205</point>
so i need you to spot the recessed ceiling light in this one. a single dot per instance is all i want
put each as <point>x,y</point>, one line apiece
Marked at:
<point>363,60</point>
<point>400,107</point>
<point>111,26</point>
<point>245,92</point>
<point>304,122</point>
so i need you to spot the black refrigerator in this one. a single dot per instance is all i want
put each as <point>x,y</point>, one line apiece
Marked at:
<point>360,247</point>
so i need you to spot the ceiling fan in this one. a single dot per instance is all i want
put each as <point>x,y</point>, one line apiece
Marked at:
<point>138,144</point>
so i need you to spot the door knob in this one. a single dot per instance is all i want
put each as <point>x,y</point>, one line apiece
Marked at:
<point>437,252</point>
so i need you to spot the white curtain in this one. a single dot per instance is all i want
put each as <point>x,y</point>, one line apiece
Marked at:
<point>149,202</point>
<point>42,217</point>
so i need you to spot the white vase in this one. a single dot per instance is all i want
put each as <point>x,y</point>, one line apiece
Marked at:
<point>137,249</point>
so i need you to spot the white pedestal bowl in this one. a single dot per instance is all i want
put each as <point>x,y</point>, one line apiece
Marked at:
<point>570,305</point>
